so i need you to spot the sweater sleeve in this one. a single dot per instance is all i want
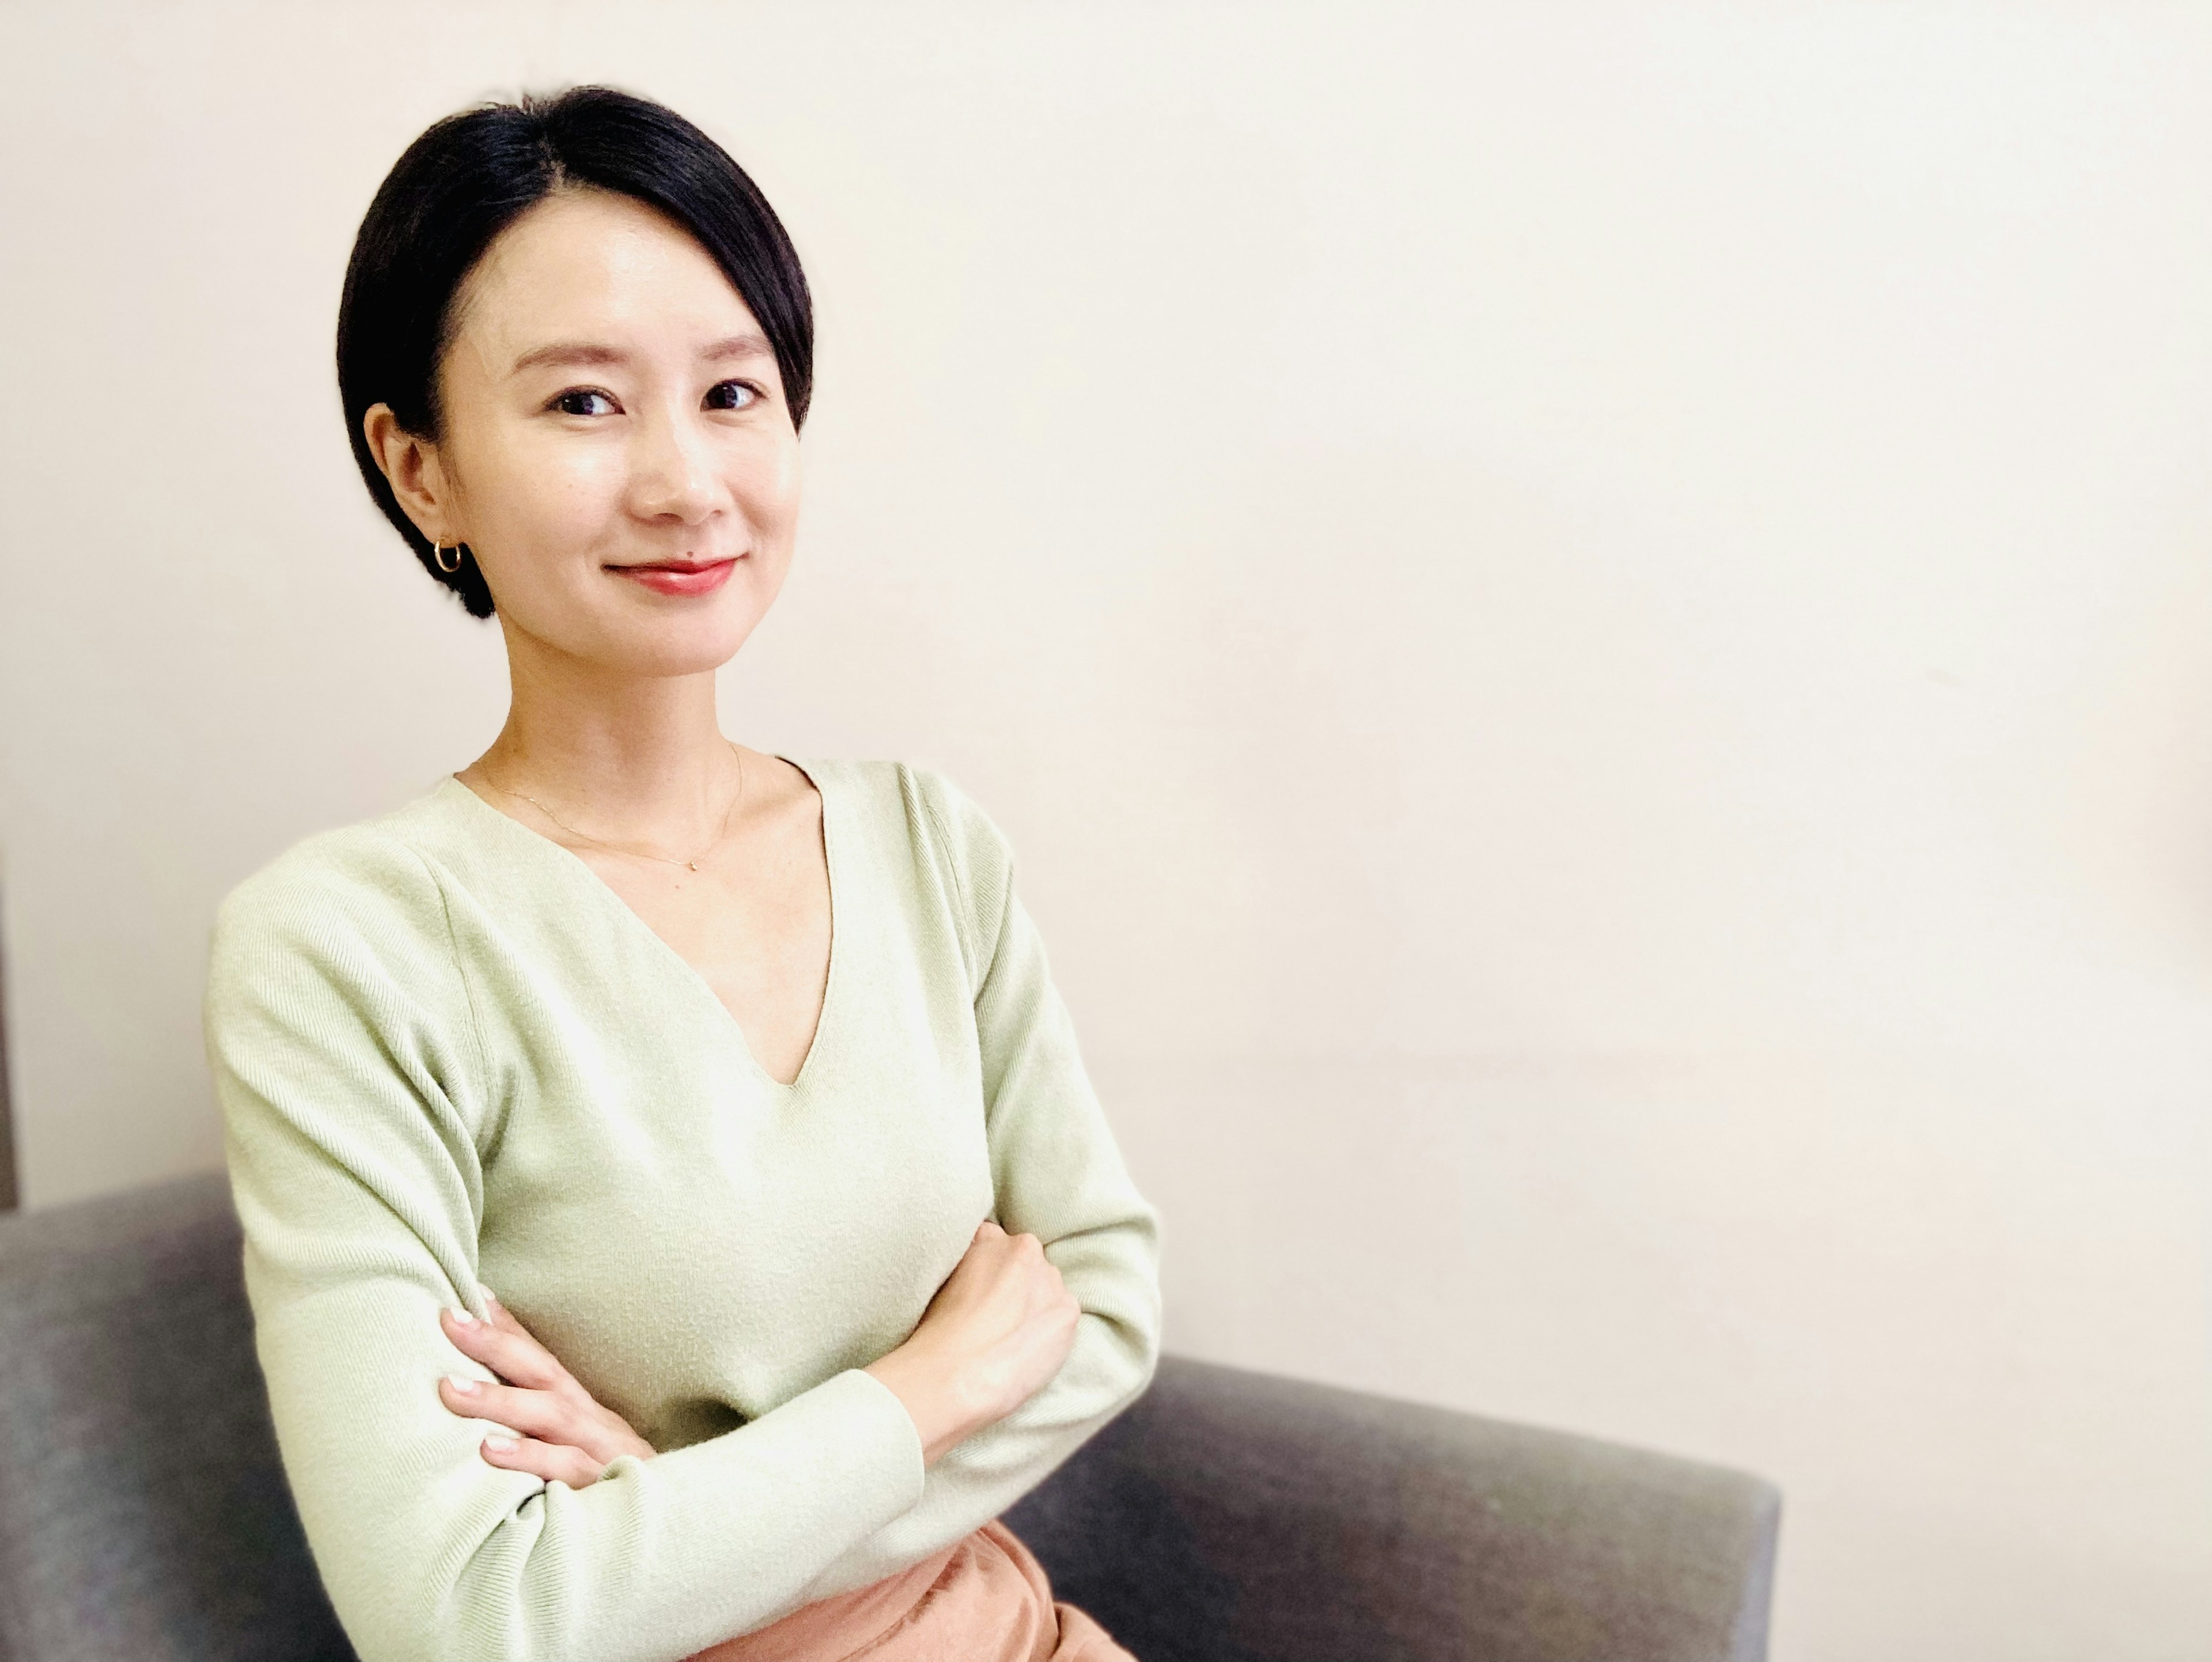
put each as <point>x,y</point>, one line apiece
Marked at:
<point>1058,1174</point>
<point>352,1086</point>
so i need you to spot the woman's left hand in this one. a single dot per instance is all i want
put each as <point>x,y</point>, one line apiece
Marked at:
<point>561,1432</point>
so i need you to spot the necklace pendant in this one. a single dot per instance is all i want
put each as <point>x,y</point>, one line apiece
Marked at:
<point>693,864</point>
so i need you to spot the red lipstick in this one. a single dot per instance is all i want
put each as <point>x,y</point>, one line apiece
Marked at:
<point>680,577</point>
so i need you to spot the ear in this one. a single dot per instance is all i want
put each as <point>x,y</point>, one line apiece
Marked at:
<point>412,467</point>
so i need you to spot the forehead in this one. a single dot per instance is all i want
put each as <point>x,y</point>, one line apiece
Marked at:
<point>591,264</point>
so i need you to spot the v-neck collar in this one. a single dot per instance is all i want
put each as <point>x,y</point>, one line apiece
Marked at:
<point>575,864</point>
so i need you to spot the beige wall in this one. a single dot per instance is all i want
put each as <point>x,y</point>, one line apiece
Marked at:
<point>1594,623</point>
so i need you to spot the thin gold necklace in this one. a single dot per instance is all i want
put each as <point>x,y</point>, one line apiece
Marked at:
<point>616,848</point>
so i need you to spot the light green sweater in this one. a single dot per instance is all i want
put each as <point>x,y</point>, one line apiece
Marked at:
<point>447,1051</point>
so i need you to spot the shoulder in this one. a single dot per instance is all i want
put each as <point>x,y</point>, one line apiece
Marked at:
<point>356,890</point>
<point>921,804</point>
<point>333,972</point>
<point>921,815</point>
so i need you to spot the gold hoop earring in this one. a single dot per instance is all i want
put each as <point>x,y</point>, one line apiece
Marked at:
<point>439,555</point>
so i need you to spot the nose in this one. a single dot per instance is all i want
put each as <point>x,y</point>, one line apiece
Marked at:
<point>672,470</point>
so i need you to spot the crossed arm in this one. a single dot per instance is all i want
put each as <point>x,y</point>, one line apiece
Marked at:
<point>999,1328</point>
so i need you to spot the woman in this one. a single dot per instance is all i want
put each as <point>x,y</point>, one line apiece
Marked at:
<point>742,1079</point>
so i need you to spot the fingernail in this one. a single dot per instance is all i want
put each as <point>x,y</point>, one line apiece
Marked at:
<point>501,1445</point>
<point>487,1295</point>
<point>461,1317</point>
<point>462,1384</point>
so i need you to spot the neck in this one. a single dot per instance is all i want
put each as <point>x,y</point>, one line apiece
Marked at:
<point>625,755</point>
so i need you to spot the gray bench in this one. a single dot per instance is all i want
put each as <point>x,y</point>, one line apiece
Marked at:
<point>1227,1517</point>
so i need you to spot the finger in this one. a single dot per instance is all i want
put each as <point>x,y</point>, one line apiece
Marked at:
<point>554,1462</point>
<point>549,1416</point>
<point>500,1316</point>
<point>539,1414</point>
<point>506,1321</point>
<point>513,1355</point>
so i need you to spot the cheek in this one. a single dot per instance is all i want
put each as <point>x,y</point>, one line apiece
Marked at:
<point>541,509</point>
<point>765,479</point>
<point>557,492</point>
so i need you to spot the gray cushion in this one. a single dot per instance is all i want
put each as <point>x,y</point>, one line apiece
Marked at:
<point>1227,1515</point>
<point>1247,1518</point>
<point>143,1515</point>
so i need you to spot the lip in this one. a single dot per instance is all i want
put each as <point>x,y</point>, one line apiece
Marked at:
<point>679,576</point>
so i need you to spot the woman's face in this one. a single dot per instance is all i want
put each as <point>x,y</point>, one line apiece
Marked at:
<point>618,452</point>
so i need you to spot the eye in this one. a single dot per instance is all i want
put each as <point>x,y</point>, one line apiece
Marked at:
<point>577,401</point>
<point>731,395</point>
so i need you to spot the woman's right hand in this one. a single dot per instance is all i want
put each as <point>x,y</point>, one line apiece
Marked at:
<point>993,1337</point>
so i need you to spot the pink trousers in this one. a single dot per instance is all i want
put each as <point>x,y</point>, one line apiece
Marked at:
<point>984,1598</point>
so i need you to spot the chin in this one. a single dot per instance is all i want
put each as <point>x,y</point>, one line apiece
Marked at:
<point>685,647</point>
<point>633,641</point>
<point>644,635</point>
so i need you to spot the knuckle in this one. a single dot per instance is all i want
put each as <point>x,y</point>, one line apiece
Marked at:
<point>538,1415</point>
<point>540,1458</point>
<point>522,1412</point>
<point>469,1335</point>
<point>520,1361</point>
<point>475,1401</point>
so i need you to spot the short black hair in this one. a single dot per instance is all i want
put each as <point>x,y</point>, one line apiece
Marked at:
<point>467,179</point>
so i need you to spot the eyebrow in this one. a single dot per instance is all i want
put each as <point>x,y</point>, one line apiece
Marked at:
<point>747,345</point>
